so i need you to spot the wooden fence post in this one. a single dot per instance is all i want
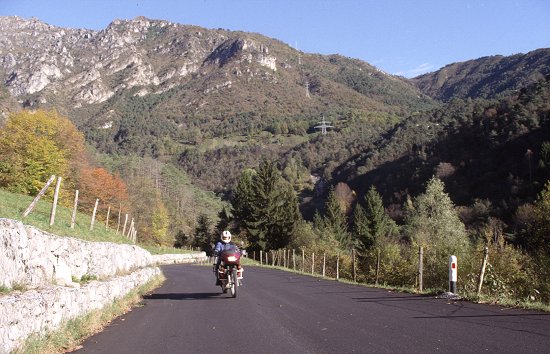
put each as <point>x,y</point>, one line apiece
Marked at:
<point>131,227</point>
<point>55,197</point>
<point>288,258</point>
<point>420,268</point>
<point>107,221</point>
<point>37,198</point>
<point>312,262</point>
<point>324,262</point>
<point>93,215</point>
<point>261,260</point>
<point>274,258</point>
<point>124,227</point>
<point>377,266</point>
<point>353,265</point>
<point>293,259</point>
<point>338,266</point>
<point>482,270</point>
<point>119,211</point>
<point>73,216</point>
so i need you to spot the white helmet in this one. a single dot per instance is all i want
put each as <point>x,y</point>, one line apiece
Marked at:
<point>226,237</point>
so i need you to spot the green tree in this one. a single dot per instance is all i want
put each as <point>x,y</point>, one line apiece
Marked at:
<point>295,173</point>
<point>361,231</point>
<point>334,221</point>
<point>243,198</point>
<point>433,220</point>
<point>538,240</point>
<point>203,234</point>
<point>143,200</point>
<point>225,221</point>
<point>372,225</point>
<point>182,239</point>
<point>433,223</point>
<point>266,206</point>
<point>160,222</point>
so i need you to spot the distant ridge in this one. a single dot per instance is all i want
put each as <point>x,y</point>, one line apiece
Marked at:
<point>486,77</point>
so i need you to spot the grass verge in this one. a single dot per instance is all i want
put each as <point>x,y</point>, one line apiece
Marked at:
<point>12,206</point>
<point>75,331</point>
<point>483,299</point>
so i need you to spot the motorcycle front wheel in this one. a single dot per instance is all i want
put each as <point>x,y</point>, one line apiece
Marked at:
<point>234,283</point>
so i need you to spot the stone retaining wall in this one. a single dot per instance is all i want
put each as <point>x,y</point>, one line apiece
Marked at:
<point>35,312</point>
<point>33,258</point>
<point>47,266</point>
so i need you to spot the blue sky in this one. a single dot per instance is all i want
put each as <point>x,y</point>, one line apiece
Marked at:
<point>400,37</point>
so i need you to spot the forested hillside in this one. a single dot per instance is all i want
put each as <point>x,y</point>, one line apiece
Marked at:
<point>487,77</point>
<point>494,150</point>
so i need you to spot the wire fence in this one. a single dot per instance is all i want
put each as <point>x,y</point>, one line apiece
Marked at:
<point>114,219</point>
<point>489,270</point>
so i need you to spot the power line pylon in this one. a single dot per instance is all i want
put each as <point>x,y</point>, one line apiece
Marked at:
<point>323,126</point>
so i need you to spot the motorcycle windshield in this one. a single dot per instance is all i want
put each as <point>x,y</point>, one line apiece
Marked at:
<point>230,249</point>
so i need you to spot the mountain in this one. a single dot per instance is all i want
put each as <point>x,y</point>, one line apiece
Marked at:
<point>214,102</point>
<point>171,91</point>
<point>184,78</point>
<point>487,77</point>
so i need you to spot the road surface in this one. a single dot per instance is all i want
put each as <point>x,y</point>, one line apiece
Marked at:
<point>281,312</point>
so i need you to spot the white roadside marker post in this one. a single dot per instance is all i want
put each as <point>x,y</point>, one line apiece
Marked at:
<point>452,274</point>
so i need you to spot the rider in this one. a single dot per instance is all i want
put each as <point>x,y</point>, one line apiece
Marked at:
<point>223,244</point>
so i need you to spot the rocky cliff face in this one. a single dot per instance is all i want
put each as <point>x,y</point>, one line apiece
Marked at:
<point>91,66</point>
<point>69,69</point>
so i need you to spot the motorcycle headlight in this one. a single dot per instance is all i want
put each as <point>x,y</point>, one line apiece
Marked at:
<point>231,258</point>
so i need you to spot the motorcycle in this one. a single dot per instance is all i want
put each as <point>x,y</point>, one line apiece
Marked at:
<point>230,271</point>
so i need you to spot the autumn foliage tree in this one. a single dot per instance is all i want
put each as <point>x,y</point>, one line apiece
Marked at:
<point>35,145</point>
<point>98,183</point>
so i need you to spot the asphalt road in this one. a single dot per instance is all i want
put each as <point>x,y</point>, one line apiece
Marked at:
<point>280,312</point>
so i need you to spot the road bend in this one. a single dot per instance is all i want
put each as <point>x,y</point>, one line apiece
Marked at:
<point>281,312</point>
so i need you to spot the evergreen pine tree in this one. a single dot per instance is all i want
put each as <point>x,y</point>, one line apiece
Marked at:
<point>335,220</point>
<point>225,221</point>
<point>181,239</point>
<point>266,206</point>
<point>361,228</point>
<point>243,199</point>
<point>380,225</point>
<point>203,236</point>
